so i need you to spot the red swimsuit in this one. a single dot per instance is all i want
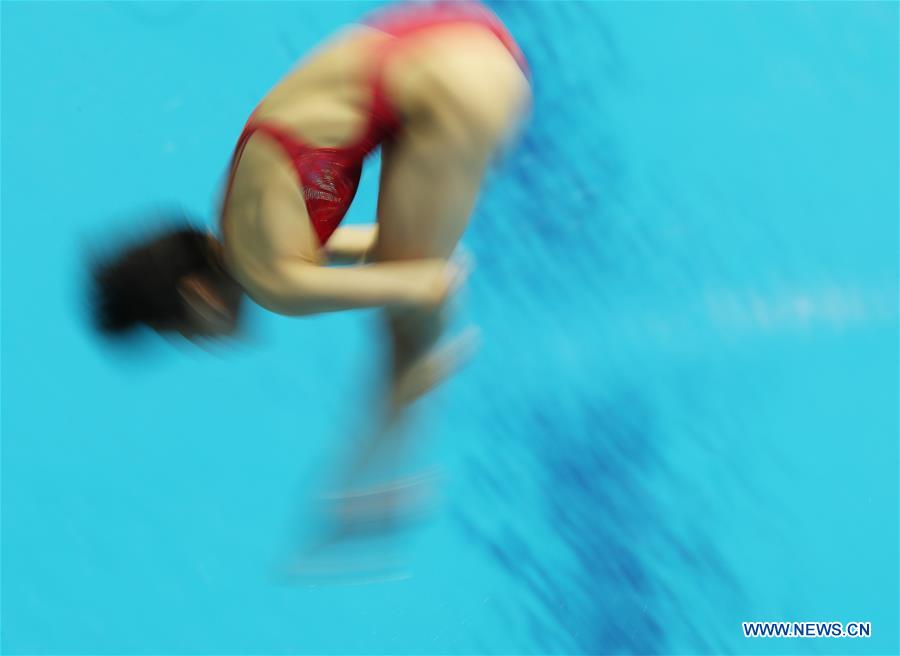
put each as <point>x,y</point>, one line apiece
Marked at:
<point>329,176</point>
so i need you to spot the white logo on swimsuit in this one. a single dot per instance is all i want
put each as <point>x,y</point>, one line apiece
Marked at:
<point>322,187</point>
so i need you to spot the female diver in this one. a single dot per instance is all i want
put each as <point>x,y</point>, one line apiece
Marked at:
<point>439,87</point>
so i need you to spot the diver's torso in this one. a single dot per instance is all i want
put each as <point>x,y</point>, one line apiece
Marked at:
<point>439,74</point>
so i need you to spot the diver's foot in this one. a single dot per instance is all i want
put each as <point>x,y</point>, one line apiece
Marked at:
<point>383,508</point>
<point>339,565</point>
<point>356,545</point>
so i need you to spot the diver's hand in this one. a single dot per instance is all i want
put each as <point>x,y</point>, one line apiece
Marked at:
<point>440,280</point>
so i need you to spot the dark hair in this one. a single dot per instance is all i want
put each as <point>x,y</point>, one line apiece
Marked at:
<point>139,285</point>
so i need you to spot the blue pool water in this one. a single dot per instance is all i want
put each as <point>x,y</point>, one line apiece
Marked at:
<point>684,413</point>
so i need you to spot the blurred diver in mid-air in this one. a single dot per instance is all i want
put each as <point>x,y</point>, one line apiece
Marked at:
<point>439,88</point>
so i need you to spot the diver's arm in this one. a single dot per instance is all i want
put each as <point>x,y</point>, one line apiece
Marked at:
<point>285,274</point>
<point>351,243</point>
<point>295,287</point>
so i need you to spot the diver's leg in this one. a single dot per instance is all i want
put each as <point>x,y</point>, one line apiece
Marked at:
<point>423,210</point>
<point>430,179</point>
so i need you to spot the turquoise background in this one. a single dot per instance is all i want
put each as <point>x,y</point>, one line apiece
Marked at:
<point>684,413</point>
